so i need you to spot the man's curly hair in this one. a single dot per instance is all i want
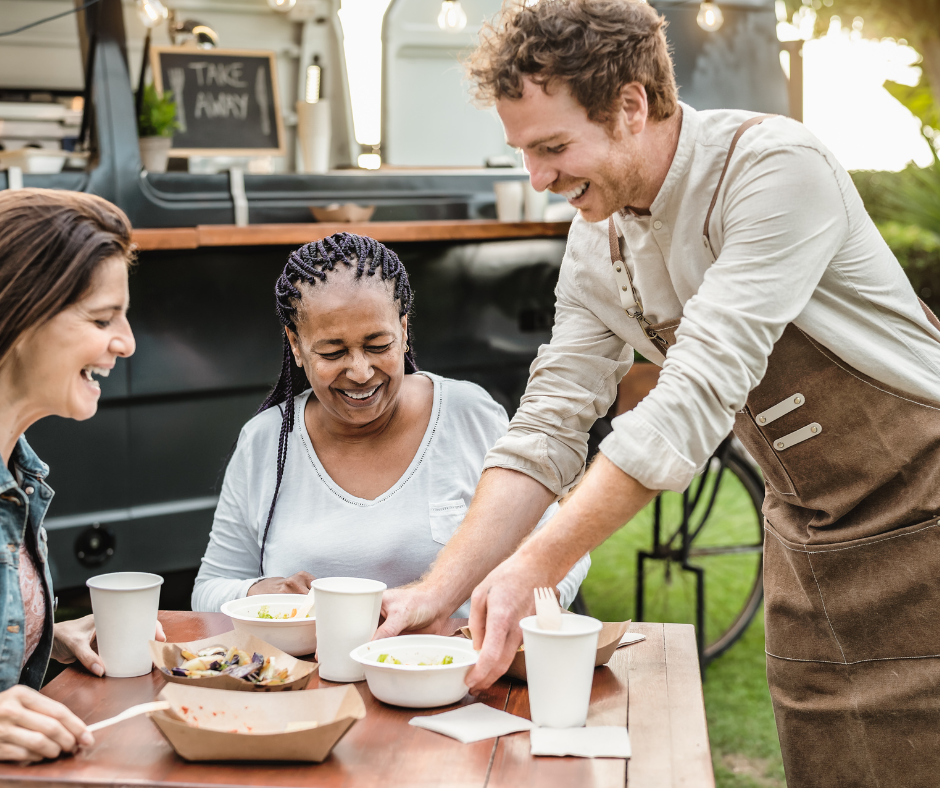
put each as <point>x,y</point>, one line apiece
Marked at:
<point>594,47</point>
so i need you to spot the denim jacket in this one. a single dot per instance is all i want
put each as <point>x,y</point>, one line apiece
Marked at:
<point>24,499</point>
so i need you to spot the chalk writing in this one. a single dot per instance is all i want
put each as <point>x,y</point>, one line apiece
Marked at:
<point>221,74</point>
<point>224,105</point>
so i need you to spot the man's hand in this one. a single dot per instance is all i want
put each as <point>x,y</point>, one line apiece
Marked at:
<point>605,500</point>
<point>505,508</point>
<point>295,584</point>
<point>413,610</point>
<point>72,641</point>
<point>497,606</point>
<point>33,727</point>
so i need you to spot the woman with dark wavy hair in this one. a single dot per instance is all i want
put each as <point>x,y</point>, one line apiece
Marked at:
<point>357,464</point>
<point>63,322</point>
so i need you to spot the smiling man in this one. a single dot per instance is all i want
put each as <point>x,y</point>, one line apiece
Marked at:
<point>798,330</point>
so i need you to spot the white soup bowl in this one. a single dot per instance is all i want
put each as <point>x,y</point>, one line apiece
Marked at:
<point>413,685</point>
<point>295,636</point>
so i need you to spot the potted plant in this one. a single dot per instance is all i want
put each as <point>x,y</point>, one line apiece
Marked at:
<point>155,128</point>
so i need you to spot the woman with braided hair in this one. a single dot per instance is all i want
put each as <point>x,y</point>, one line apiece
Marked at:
<point>356,464</point>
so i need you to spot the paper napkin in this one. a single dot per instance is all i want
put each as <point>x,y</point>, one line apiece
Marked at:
<point>473,723</point>
<point>630,637</point>
<point>599,742</point>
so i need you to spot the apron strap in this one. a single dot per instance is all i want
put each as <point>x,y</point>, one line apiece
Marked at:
<point>931,317</point>
<point>615,255</point>
<point>757,119</point>
<point>629,298</point>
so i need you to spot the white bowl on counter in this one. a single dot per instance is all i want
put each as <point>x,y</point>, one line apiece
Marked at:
<point>413,685</point>
<point>295,636</point>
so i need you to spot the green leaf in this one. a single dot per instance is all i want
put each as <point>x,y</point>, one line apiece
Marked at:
<point>157,114</point>
<point>918,99</point>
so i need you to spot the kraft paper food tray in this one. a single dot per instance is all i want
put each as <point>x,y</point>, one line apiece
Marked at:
<point>607,641</point>
<point>168,655</point>
<point>221,725</point>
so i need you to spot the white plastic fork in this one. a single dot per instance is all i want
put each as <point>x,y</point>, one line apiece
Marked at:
<point>307,605</point>
<point>133,711</point>
<point>547,612</point>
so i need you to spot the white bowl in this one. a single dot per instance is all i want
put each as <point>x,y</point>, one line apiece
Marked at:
<point>412,685</point>
<point>293,636</point>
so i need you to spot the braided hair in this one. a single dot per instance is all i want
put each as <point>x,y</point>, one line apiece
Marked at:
<point>310,264</point>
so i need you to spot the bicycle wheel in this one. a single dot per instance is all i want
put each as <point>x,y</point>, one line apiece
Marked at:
<point>724,534</point>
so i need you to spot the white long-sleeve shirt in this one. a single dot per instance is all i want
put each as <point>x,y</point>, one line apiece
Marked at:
<point>320,528</point>
<point>793,243</point>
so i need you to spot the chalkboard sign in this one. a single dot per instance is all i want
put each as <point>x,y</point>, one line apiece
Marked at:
<point>227,100</point>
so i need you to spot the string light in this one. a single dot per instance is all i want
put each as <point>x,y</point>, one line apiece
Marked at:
<point>282,5</point>
<point>452,16</point>
<point>709,16</point>
<point>151,12</point>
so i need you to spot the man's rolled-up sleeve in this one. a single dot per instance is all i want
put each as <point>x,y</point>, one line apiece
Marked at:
<point>572,382</point>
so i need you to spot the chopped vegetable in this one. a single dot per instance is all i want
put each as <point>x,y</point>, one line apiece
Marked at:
<point>265,612</point>
<point>389,659</point>
<point>219,661</point>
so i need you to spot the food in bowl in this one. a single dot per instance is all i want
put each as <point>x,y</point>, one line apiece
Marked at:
<point>447,659</point>
<point>265,612</point>
<point>419,671</point>
<point>232,661</point>
<point>268,617</point>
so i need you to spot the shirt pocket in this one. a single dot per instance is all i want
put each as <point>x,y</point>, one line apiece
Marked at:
<point>445,518</point>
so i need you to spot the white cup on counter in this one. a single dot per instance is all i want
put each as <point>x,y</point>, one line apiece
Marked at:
<point>534,203</point>
<point>347,616</point>
<point>314,129</point>
<point>125,607</point>
<point>559,666</point>
<point>510,196</point>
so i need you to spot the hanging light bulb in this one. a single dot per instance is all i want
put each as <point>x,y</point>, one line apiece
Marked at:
<point>282,5</point>
<point>709,16</point>
<point>151,12</point>
<point>452,16</point>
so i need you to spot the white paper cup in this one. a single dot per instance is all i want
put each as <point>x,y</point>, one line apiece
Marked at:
<point>125,607</point>
<point>535,203</point>
<point>314,126</point>
<point>509,197</point>
<point>347,616</point>
<point>559,666</point>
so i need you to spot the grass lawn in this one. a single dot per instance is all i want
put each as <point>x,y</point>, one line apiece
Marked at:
<point>745,751</point>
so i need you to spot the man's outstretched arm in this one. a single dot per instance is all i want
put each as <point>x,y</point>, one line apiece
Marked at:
<point>506,506</point>
<point>602,503</point>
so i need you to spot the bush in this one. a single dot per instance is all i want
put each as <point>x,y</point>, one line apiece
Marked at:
<point>918,252</point>
<point>905,206</point>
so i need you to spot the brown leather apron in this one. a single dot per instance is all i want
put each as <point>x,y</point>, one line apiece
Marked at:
<point>851,559</point>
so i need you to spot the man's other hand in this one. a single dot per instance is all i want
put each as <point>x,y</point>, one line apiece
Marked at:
<point>413,610</point>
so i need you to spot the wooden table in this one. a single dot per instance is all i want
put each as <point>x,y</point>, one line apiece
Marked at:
<point>653,686</point>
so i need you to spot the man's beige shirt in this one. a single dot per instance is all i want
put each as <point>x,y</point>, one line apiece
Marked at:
<point>794,245</point>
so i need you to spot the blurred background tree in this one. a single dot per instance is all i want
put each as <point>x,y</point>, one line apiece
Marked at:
<point>916,22</point>
<point>905,205</point>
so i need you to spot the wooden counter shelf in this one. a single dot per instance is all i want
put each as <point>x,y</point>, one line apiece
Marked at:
<point>387,232</point>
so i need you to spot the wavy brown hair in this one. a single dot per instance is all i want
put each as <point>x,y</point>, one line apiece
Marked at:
<point>51,243</point>
<point>594,47</point>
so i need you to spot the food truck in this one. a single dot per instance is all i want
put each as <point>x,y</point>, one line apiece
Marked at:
<point>271,150</point>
